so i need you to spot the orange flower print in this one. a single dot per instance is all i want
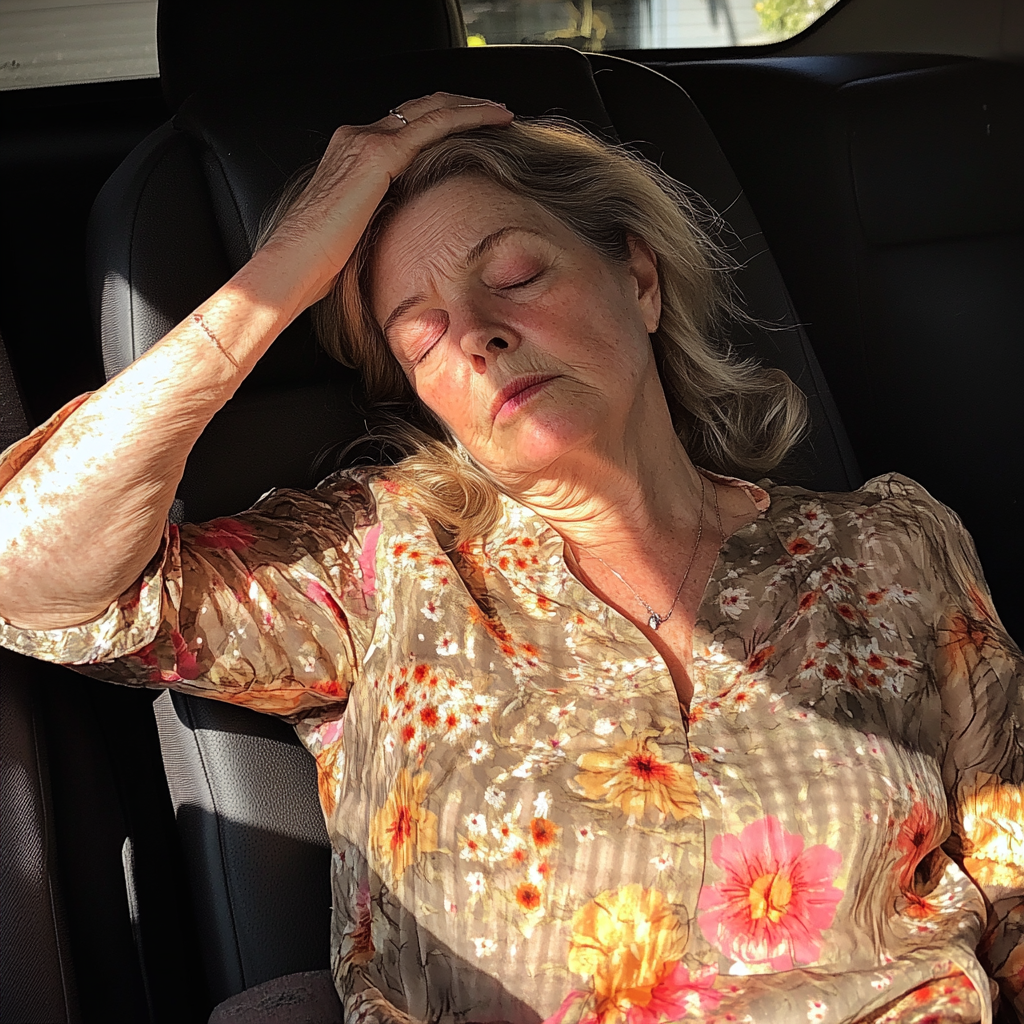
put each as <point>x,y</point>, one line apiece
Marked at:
<point>962,641</point>
<point>635,777</point>
<point>528,896</point>
<point>775,899</point>
<point>992,816</point>
<point>403,829</point>
<point>914,841</point>
<point>544,833</point>
<point>627,941</point>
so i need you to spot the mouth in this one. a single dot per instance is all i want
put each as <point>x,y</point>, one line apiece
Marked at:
<point>517,392</point>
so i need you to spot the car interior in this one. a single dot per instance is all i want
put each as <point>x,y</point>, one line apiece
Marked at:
<point>164,855</point>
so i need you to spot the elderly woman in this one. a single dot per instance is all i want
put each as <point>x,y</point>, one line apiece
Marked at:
<point>603,735</point>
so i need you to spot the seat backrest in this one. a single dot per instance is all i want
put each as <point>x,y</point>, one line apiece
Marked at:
<point>889,187</point>
<point>194,194</point>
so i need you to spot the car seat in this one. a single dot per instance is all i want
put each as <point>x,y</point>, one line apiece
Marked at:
<point>171,225</point>
<point>889,187</point>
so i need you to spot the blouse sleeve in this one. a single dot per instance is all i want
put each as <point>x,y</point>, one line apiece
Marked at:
<point>264,609</point>
<point>980,673</point>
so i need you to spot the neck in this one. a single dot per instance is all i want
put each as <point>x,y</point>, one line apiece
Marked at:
<point>620,506</point>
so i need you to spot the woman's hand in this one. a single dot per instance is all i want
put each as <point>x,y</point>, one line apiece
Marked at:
<point>321,228</point>
<point>85,513</point>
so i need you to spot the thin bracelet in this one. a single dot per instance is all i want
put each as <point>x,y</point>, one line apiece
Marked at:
<point>197,318</point>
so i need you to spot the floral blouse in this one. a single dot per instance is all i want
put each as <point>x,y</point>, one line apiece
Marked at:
<point>527,826</point>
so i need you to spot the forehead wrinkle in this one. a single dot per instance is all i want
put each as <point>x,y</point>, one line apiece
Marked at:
<point>484,246</point>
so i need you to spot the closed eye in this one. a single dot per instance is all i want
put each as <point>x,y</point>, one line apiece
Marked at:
<point>521,284</point>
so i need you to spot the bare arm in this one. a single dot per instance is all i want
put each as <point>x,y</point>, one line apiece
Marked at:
<point>80,521</point>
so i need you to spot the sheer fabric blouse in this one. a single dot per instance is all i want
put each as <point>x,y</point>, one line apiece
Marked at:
<point>526,825</point>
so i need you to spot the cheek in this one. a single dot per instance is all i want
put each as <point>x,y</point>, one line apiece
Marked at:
<point>444,387</point>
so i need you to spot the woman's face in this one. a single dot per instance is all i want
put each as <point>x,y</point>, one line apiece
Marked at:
<point>529,345</point>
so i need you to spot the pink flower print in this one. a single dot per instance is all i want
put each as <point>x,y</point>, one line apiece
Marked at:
<point>331,732</point>
<point>776,898</point>
<point>185,663</point>
<point>677,993</point>
<point>184,660</point>
<point>320,595</point>
<point>226,533</point>
<point>368,560</point>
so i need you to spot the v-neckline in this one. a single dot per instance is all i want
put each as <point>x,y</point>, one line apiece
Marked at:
<point>545,533</point>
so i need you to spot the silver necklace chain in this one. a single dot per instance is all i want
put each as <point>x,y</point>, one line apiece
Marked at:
<point>655,620</point>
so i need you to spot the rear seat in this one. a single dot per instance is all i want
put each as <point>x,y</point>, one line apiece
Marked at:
<point>197,189</point>
<point>889,188</point>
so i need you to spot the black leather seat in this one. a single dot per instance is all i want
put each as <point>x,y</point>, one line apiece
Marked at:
<point>177,218</point>
<point>37,979</point>
<point>889,187</point>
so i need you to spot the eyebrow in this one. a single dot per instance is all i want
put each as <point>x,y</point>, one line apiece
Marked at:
<point>481,249</point>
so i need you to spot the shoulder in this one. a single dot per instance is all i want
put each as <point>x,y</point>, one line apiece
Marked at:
<point>889,504</point>
<point>897,527</point>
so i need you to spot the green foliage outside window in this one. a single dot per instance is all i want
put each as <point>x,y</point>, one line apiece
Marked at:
<point>785,18</point>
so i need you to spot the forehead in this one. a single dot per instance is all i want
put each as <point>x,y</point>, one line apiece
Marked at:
<point>431,237</point>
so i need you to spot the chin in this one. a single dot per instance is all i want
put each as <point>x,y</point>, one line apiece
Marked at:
<point>545,437</point>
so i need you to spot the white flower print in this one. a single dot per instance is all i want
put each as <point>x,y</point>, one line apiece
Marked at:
<point>816,1010</point>
<point>471,848</point>
<point>476,824</point>
<point>557,714</point>
<point>476,883</point>
<point>450,907</point>
<point>542,805</point>
<point>494,797</point>
<point>447,645</point>
<point>484,947</point>
<point>814,519</point>
<point>661,862</point>
<point>584,833</point>
<point>479,751</point>
<point>431,611</point>
<point>734,601</point>
<point>604,726</point>
<point>506,832</point>
<point>538,875</point>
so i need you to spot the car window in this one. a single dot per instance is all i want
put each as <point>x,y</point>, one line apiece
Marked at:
<point>601,25</point>
<point>54,42</point>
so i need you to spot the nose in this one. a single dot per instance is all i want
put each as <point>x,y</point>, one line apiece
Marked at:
<point>484,343</point>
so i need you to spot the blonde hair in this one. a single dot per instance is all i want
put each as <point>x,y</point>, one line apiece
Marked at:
<point>732,415</point>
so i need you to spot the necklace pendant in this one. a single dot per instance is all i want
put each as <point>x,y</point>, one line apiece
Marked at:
<point>654,621</point>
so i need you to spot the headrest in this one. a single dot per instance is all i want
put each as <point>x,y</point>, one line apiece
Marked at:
<point>254,140</point>
<point>239,43</point>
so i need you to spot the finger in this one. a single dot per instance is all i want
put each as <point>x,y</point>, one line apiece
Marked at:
<point>413,109</point>
<point>435,124</point>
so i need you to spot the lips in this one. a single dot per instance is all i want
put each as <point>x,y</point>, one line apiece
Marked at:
<point>516,387</point>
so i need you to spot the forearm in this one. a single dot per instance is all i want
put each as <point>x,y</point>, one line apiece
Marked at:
<point>85,514</point>
<point>80,521</point>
